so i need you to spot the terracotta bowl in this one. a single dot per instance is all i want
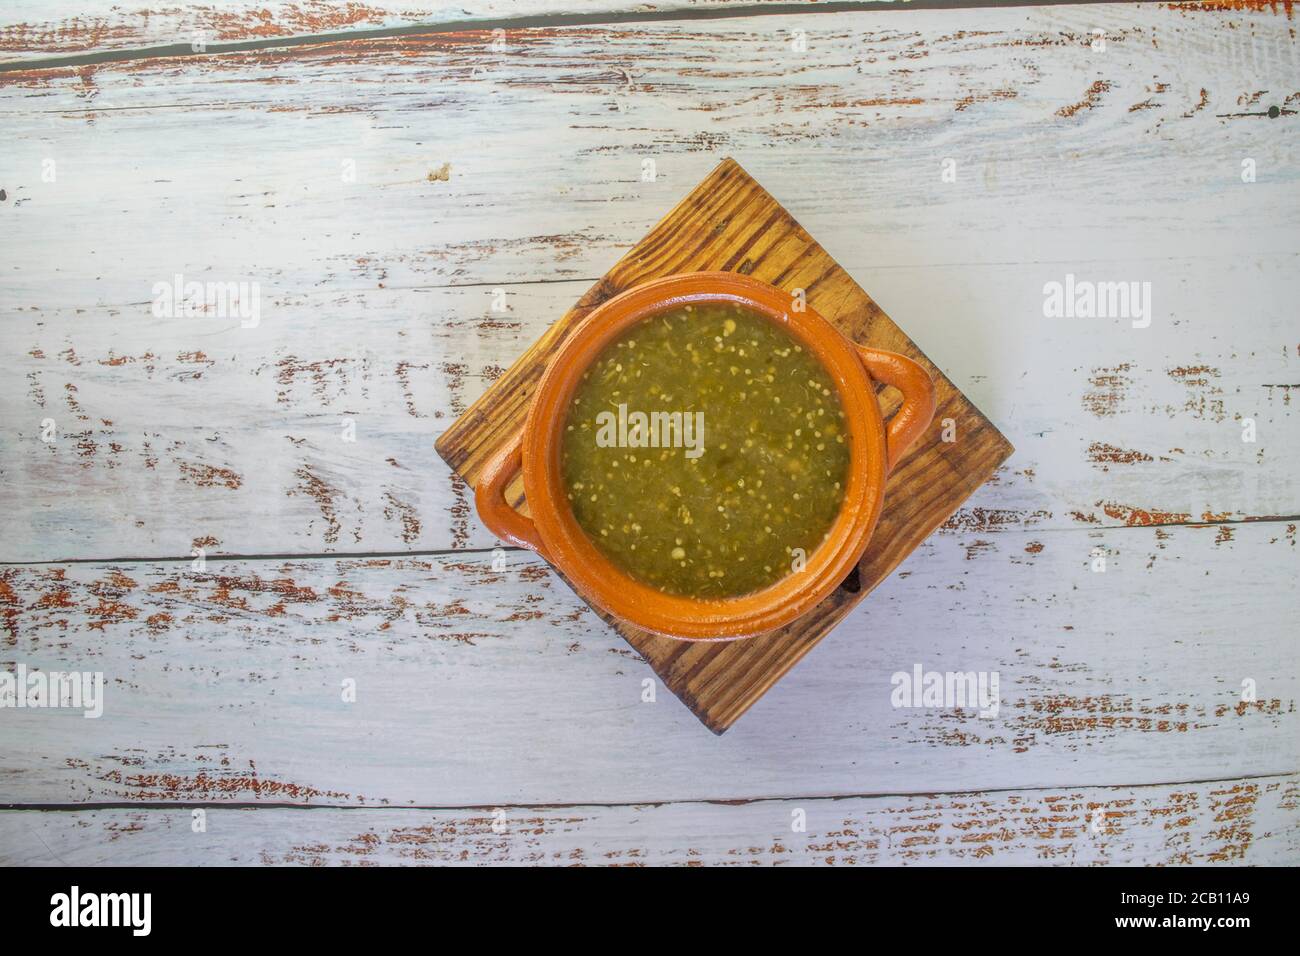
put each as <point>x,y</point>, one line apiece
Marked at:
<point>554,533</point>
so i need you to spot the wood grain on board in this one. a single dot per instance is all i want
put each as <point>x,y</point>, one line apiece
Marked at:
<point>30,28</point>
<point>730,223</point>
<point>1248,822</point>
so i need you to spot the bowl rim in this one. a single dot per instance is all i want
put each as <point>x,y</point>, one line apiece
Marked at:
<point>611,588</point>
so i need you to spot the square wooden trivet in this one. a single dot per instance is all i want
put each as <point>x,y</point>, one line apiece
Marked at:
<point>730,223</point>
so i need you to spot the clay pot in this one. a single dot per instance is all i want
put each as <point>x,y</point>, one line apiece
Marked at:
<point>554,533</point>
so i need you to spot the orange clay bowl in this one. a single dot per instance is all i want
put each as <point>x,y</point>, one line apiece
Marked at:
<point>554,533</point>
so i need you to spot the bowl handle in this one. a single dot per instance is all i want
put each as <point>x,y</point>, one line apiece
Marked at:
<point>917,410</point>
<point>490,499</point>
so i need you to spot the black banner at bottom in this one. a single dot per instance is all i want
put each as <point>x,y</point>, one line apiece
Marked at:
<point>304,905</point>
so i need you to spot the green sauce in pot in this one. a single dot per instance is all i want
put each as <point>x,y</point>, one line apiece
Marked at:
<point>705,451</point>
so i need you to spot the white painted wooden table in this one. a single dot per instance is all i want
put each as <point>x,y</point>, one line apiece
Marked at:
<point>382,186</point>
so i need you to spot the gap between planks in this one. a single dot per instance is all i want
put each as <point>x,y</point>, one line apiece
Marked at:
<point>533,22</point>
<point>461,552</point>
<point>578,805</point>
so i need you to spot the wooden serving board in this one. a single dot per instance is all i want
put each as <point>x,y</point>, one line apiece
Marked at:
<point>729,222</point>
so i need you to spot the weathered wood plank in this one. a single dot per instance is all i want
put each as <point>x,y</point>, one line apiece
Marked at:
<point>476,687</point>
<point>29,28</point>
<point>1231,822</point>
<point>209,435</point>
<point>36,28</point>
<point>200,433</point>
<point>1113,424</point>
<point>877,102</point>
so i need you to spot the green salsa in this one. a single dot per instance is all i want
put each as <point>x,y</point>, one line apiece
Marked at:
<point>705,451</point>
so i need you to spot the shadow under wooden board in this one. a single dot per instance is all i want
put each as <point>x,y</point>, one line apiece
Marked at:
<point>730,223</point>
